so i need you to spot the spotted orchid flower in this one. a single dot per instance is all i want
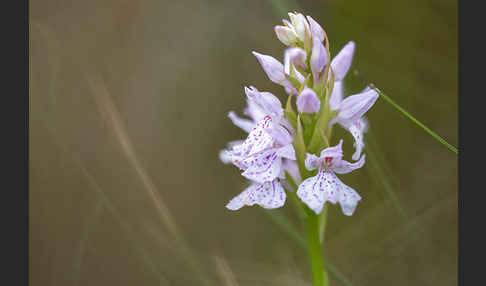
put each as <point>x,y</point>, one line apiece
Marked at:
<point>269,141</point>
<point>326,186</point>
<point>264,167</point>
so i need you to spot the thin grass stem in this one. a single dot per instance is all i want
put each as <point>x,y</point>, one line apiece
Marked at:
<point>408,115</point>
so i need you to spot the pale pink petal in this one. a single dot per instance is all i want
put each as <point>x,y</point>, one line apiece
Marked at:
<point>344,167</point>
<point>266,101</point>
<point>264,166</point>
<point>355,106</point>
<point>245,124</point>
<point>253,111</point>
<point>280,135</point>
<point>342,61</point>
<point>312,162</point>
<point>333,153</point>
<point>336,95</point>
<point>274,69</point>
<point>315,191</point>
<point>270,195</point>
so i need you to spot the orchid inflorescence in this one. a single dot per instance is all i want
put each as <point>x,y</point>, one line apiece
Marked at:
<point>285,145</point>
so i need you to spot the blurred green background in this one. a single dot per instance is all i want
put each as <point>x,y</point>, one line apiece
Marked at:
<point>128,110</point>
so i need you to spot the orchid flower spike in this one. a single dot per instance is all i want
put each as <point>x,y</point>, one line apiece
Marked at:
<point>326,186</point>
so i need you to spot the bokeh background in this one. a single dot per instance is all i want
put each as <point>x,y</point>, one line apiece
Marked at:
<point>128,109</point>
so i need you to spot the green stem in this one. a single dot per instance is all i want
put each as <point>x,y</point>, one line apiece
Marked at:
<point>319,274</point>
<point>413,119</point>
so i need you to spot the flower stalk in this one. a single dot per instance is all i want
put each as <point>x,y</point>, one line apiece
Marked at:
<point>319,273</point>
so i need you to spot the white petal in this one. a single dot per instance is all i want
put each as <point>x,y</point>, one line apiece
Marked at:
<point>280,134</point>
<point>225,157</point>
<point>286,35</point>
<point>270,195</point>
<point>245,124</point>
<point>357,129</point>
<point>254,111</point>
<point>287,152</point>
<point>348,198</point>
<point>234,143</point>
<point>264,166</point>
<point>256,141</point>
<point>326,186</point>
<point>315,191</point>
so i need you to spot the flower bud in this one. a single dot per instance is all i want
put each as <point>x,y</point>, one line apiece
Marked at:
<point>316,29</point>
<point>318,58</point>
<point>308,102</point>
<point>286,35</point>
<point>300,25</point>
<point>272,67</point>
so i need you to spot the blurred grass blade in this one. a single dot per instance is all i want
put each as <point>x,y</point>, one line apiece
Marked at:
<point>413,119</point>
<point>112,209</point>
<point>112,117</point>
<point>407,115</point>
<point>226,274</point>
<point>284,223</point>
<point>379,173</point>
<point>78,258</point>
